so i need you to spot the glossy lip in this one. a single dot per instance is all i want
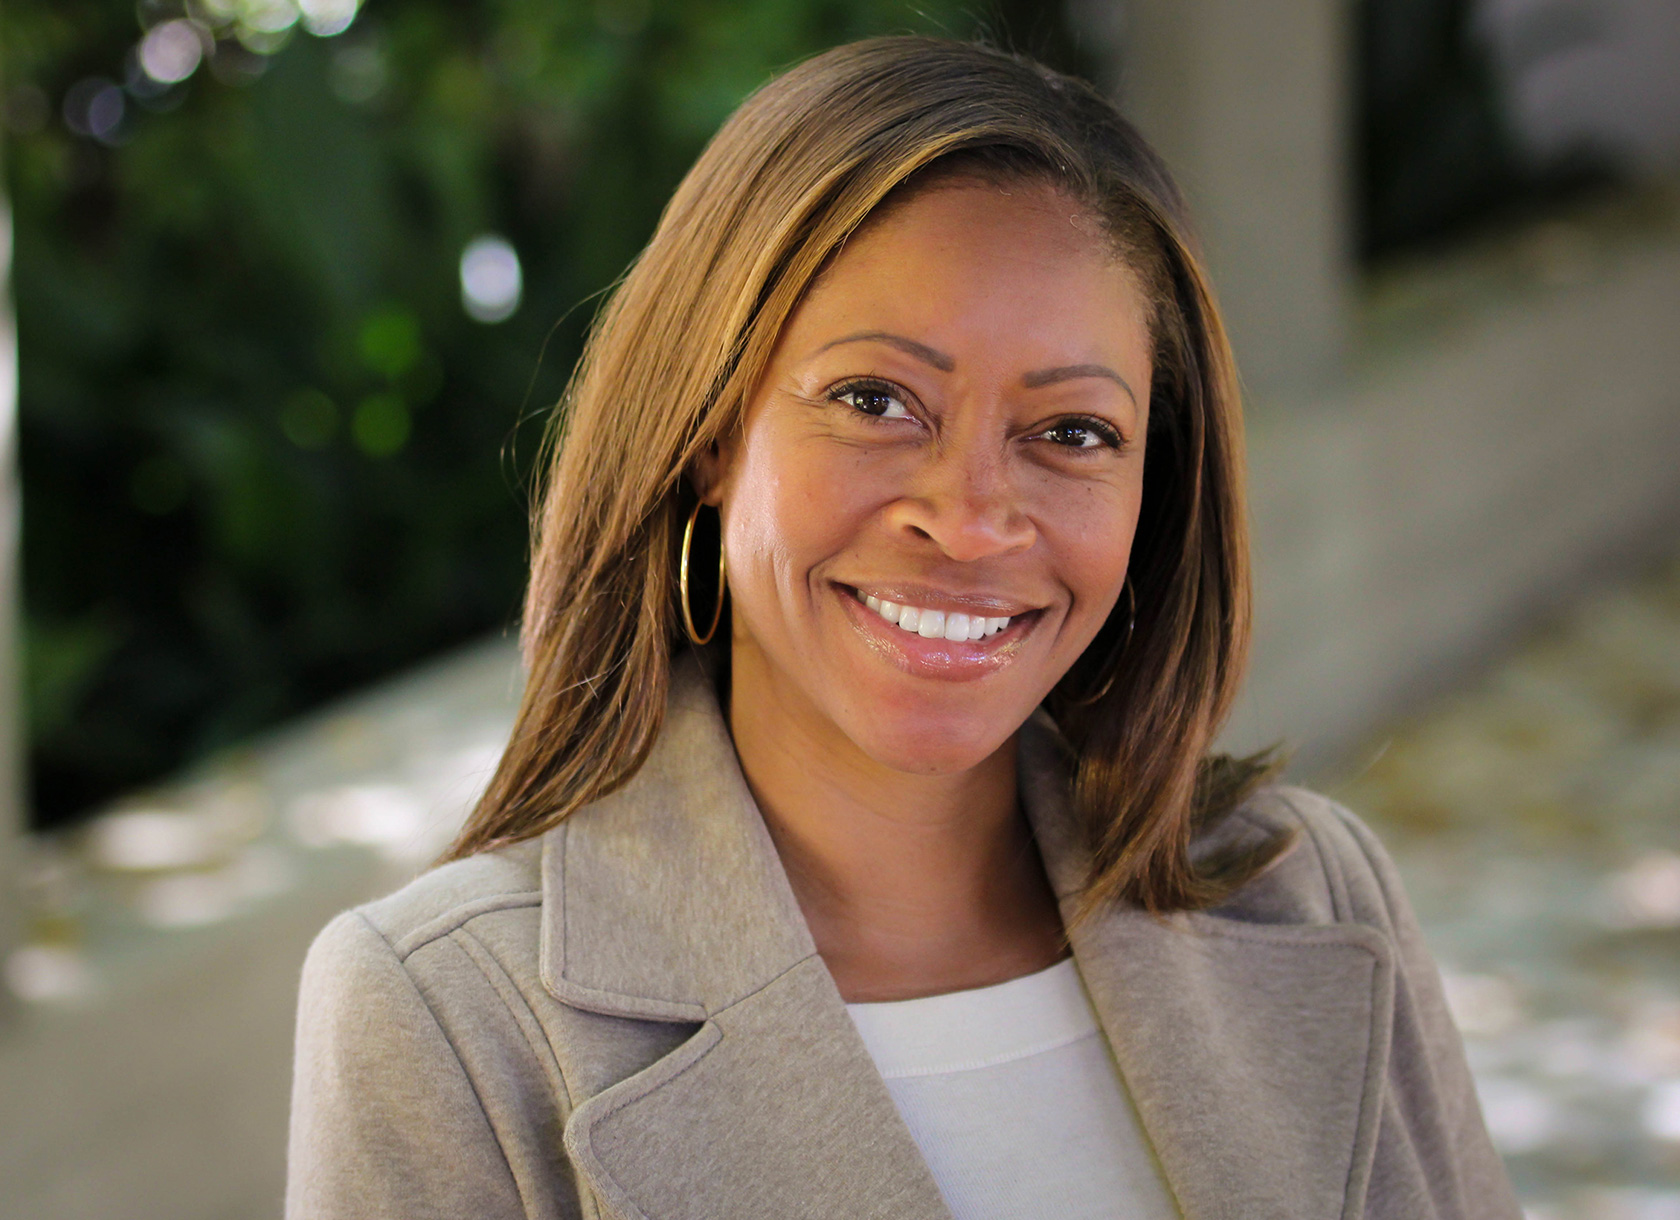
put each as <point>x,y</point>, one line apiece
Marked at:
<point>950,660</point>
<point>934,599</point>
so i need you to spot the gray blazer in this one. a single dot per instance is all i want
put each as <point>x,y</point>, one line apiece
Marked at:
<point>628,1019</point>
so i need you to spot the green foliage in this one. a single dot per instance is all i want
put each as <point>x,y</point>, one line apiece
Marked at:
<point>266,455</point>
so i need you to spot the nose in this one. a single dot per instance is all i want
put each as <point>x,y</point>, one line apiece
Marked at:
<point>965,501</point>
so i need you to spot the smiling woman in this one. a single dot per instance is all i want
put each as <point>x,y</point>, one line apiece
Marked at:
<point>940,439</point>
<point>918,893</point>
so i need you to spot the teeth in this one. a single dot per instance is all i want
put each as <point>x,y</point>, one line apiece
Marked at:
<point>936,624</point>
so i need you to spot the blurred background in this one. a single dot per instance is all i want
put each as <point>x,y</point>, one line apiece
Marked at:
<point>294,283</point>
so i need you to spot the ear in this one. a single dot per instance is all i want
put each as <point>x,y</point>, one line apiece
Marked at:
<point>709,472</point>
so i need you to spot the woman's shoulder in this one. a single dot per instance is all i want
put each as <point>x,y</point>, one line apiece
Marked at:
<point>416,1070</point>
<point>496,892</point>
<point>1335,870</point>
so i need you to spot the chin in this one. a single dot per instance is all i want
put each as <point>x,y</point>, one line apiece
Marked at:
<point>933,741</point>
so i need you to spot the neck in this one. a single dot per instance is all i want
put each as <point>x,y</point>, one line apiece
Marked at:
<point>910,884</point>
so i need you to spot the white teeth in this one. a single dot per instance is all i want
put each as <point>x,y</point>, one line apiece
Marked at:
<point>936,624</point>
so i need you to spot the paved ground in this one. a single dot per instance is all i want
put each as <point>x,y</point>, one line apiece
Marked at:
<point>1535,815</point>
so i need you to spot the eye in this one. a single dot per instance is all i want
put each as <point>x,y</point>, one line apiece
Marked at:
<point>1082,434</point>
<point>878,399</point>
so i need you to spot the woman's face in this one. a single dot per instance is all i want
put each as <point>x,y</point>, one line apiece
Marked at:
<point>930,504</point>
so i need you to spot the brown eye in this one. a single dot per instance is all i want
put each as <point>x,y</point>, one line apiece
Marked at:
<point>1082,434</point>
<point>875,399</point>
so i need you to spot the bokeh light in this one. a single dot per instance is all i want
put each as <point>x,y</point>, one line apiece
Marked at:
<point>358,72</point>
<point>309,419</point>
<point>1662,1111</point>
<point>268,16</point>
<point>491,281</point>
<point>324,18</point>
<point>172,51</point>
<point>94,106</point>
<point>381,424</point>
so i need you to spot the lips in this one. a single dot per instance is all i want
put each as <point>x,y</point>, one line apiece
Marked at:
<point>926,646</point>
<point>936,616</point>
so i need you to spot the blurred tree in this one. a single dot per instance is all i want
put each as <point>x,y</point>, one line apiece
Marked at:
<point>267,454</point>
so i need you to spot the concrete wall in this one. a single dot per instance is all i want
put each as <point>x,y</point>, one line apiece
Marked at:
<point>1248,104</point>
<point>1409,525</point>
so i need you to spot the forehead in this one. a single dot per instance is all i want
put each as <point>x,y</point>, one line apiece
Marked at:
<point>959,181</point>
<point>1019,263</point>
<point>938,211</point>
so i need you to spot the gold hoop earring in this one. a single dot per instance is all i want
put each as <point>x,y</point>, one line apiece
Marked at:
<point>682,582</point>
<point>1113,665</point>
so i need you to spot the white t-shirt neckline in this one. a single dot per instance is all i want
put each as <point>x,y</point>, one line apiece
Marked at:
<point>1014,1099</point>
<point>982,1027</point>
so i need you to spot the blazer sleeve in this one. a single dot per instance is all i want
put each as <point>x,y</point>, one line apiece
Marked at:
<point>386,1121</point>
<point>1435,1157</point>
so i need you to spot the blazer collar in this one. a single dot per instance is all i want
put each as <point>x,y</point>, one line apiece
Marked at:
<point>1254,1053</point>
<point>666,899</point>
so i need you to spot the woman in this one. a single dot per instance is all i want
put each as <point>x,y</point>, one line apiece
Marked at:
<point>921,364</point>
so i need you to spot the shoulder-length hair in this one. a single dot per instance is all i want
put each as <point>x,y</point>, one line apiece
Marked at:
<point>676,353</point>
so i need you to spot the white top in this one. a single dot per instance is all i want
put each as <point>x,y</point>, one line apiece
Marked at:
<point>1015,1101</point>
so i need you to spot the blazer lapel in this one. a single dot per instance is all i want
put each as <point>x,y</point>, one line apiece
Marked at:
<point>774,1109</point>
<point>1255,1054</point>
<point>666,901</point>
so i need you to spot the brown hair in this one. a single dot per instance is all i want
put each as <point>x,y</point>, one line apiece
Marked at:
<point>675,354</point>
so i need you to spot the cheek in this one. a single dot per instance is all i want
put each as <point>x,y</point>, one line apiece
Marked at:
<point>1090,533</point>
<point>789,508</point>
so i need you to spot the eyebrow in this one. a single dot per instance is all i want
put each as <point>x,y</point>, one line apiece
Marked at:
<point>1073,372</point>
<point>945,364</point>
<point>909,347</point>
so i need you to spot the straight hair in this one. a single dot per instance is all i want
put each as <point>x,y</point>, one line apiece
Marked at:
<point>676,352</point>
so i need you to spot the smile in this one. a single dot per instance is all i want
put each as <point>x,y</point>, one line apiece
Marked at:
<point>935,624</point>
<point>940,640</point>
